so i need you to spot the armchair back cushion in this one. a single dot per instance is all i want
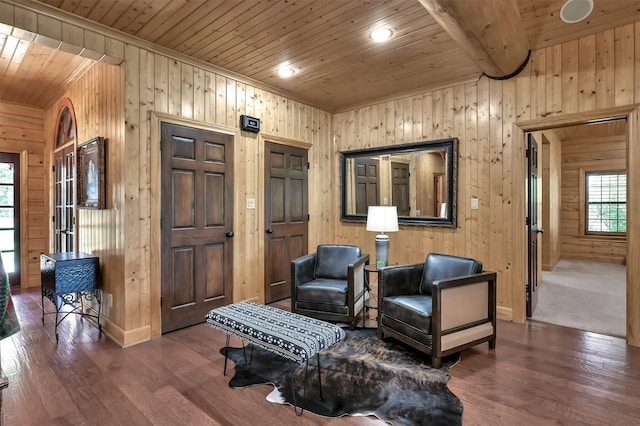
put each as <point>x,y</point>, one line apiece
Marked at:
<point>333,260</point>
<point>442,266</point>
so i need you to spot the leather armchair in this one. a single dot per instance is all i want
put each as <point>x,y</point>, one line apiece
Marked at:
<point>329,284</point>
<point>439,307</point>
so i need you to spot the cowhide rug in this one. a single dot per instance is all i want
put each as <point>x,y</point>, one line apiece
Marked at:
<point>361,375</point>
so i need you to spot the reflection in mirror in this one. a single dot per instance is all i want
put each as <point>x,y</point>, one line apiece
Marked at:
<point>418,178</point>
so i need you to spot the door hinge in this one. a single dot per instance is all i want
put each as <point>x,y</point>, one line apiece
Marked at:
<point>526,220</point>
<point>161,301</point>
<point>526,153</point>
<point>53,169</point>
<point>308,217</point>
<point>53,219</point>
<point>308,165</point>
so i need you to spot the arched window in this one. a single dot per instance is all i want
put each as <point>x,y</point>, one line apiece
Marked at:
<point>66,130</point>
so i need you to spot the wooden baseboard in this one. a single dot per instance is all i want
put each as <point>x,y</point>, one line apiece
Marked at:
<point>504,313</point>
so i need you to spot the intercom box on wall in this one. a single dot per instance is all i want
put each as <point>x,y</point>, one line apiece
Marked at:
<point>250,124</point>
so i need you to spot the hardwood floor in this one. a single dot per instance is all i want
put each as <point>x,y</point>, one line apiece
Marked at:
<point>538,374</point>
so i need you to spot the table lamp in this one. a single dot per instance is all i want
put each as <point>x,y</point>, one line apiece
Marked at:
<point>382,219</point>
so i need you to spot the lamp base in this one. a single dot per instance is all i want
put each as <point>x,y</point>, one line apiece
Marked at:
<point>382,250</point>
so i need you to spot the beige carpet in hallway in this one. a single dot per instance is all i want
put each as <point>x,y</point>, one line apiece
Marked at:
<point>586,295</point>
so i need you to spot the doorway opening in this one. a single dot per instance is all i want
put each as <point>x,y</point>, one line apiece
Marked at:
<point>583,274</point>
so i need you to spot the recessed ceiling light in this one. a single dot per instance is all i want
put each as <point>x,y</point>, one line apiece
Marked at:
<point>381,34</point>
<point>285,71</point>
<point>576,10</point>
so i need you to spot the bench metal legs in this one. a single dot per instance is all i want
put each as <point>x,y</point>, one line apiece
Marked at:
<point>304,385</point>
<point>244,352</point>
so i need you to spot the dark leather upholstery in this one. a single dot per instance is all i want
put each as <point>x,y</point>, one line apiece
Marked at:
<point>442,266</point>
<point>410,300</point>
<point>329,284</point>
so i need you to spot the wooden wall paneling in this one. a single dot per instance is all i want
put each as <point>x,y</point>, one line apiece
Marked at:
<point>161,83</point>
<point>569,76</point>
<point>470,179</point>
<point>458,131</point>
<point>209,97</point>
<point>553,83</point>
<point>22,132</point>
<point>231,118</point>
<point>496,255</point>
<point>199,94</point>
<point>174,89</point>
<point>147,97</point>
<point>605,83</point>
<point>185,96</point>
<point>587,73</point>
<point>623,65</point>
<point>509,91</point>
<point>636,64</point>
<point>132,157</point>
<point>633,228</point>
<point>444,238</point>
<point>484,173</point>
<point>538,80</point>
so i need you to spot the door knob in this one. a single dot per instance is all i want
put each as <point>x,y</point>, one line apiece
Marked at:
<point>229,234</point>
<point>269,231</point>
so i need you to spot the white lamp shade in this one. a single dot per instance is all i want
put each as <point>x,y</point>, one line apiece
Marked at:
<point>382,219</point>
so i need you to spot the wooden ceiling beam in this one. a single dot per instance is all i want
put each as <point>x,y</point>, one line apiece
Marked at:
<point>489,31</point>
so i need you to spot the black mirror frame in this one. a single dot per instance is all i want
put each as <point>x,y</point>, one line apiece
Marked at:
<point>450,145</point>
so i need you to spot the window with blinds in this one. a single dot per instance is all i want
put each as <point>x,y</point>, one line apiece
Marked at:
<point>606,202</point>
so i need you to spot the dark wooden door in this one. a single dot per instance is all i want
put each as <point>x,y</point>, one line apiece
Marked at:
<point>400,188</point>
<point>286,216</point>
<point>197,224</point>
<point>10,215</point>
<point>367,184</point>
<point>64,199</point>
<point>532,224</point>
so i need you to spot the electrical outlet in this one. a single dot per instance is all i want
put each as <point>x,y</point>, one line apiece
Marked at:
<point>474,204</point>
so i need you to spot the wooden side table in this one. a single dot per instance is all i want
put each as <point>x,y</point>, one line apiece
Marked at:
<point>371,292</point>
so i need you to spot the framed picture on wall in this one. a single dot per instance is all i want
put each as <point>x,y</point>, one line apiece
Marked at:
<point>91,174</point>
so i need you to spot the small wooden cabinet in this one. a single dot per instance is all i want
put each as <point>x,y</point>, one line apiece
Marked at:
<point>68,279</point>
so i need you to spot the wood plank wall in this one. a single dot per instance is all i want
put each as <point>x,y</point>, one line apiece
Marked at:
<point>98,102</point>
<point>578,157</point>
<point>165,85</point>
<point>551,199</point>
<point>22,132</point>
<point>593,73</point>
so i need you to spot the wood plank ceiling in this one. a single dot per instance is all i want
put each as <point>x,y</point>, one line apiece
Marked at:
<point>326,41</point>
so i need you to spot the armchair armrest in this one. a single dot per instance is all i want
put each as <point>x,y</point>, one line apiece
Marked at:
<point>399,280</point>
<point>464,310</point>
<point>355,276</point>
<point>302,269</point>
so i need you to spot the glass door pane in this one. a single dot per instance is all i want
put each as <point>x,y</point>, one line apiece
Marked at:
<point>9,215</point>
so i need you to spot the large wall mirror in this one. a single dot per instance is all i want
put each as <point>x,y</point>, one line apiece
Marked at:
<point>418,178</point>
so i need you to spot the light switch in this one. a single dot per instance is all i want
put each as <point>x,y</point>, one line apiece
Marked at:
<point>386,201</point>
<point>251,203</point>
<point>474,204</point>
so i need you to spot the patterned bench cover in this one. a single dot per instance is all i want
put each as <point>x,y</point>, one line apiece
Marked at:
<point>287,334</point>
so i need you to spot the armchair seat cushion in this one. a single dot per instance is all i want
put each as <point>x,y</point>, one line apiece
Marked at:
<point>325,291</point>
<point>409,309</point>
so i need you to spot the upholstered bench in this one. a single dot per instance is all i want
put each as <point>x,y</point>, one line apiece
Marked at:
<point>290,335</point>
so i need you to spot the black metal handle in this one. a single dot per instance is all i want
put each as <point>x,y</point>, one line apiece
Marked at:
<point>269,230</point>
<point>229,234</point>
<point>540,231</point>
